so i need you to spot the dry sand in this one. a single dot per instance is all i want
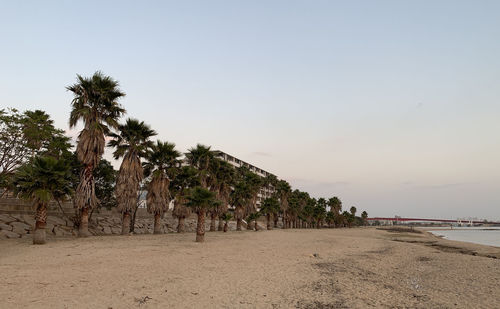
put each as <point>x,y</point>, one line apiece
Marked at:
<point>353,268</point>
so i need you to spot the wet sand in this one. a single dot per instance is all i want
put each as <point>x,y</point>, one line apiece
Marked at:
<point>327,268</point>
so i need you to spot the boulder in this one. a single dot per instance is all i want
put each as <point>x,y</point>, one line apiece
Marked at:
<point>107,230</point>
<point>60,231</point>
<point>116,230</point>
<point>5,227</point>
<point>8,234</point>
<point>6,218</point>
<point>20,227</point>
<point>56,220</point>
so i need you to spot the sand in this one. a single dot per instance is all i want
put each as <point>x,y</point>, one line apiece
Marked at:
<point>327,268</point>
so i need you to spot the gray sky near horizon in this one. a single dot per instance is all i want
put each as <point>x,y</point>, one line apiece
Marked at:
<point>391,105</point>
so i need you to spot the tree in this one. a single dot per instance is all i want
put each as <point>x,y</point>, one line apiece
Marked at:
<point>132,143</point>
<point>283,191</point>
<point>42,180</point>
<point>269,208</point>
<point>253,183</point>
<point>335,205</point>
<point>224,178</point>
<point>364,217</point>
<point>353,211</point>
<point>162,160</point>
<point>201,200</point>
<point>239,197</point>
<point>320,212</point>
<point>330,218</point>
<point>186,178</point>
<point>24,136</point>
<point>105,180</point>
<point>200,157</point>
<point>226,217</point>
<point>95,102</point>
<point>252,218</point>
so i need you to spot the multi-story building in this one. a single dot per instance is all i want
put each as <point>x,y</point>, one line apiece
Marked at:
<point>264,192</point>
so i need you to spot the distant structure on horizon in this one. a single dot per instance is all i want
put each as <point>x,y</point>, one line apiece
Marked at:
<point>264,192</point>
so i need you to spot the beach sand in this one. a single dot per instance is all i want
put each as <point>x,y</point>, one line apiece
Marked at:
<point>326,268</point>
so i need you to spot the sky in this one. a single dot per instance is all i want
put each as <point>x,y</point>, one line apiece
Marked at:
<point>391,105</point>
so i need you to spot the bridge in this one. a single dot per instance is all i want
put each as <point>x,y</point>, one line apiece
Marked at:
<point>458,221</point>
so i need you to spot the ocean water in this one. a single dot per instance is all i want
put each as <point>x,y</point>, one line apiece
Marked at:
<point>480,235</point>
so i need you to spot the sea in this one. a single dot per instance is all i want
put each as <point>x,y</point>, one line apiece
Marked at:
<point>489,236</point>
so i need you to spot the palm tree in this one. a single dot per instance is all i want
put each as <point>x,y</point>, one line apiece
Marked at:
<point>364,216</point>
<point>200,157</point>
<point>95,102</point>
<point>225,176</point>
<point>162,160</point>
<point>283,190</point>
<point>132,143</point>
<point>239,197</point>
<point>269,208</point>
<point>320,211</point>
<point>252,218</point>
<point>226,217</point>
<point>330,218</point>
<point>201,200</point>
<point>253,183</point>
<point>353,211</point>
<point>335,205</point>
<point>42,180</point>
<point>186,178</point>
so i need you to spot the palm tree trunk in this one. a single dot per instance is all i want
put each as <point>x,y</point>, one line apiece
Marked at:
<point>256,226</point>
<point>225,227</point>
<point>126,223</point>
<point>275,218</point>
<point>284,221</point>
<point>180,225</point>
<point>83,230</point>
<point>238,224</point>
<point>213,216</point>
<point>85,199</point>
<point>157,224</point>
<point>250,225</point>
<point>268,219</point>
<point>221,225</point>
<point>318,224</point>
<point>200,226</point>
<point>39,237</point>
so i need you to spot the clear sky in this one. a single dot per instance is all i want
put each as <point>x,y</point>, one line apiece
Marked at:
<point>392,105</point>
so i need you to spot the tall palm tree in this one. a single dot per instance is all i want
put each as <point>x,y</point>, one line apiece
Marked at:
<point>132,143</point>
<point>253,183</point>
<point>162,160</point>
<point>42,180</point>
<point>239,197</point>
<point>269,208</point>
<point>200,157</point>
<point>353,211</point>
<point>283,190</point>
<point>335,205</point>
<point>225,177</point>
<point>364,217</point>
<point>201,200</point>
<point>186,178</point>
<point>95,102</point>
<point>320,211</point>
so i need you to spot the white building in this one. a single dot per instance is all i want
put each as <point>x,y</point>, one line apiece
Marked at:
<point>264,192</point>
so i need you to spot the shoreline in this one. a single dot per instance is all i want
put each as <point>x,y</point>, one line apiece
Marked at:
<point>297,268</point>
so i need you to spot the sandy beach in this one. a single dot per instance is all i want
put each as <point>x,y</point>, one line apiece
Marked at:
<point>327,268</point>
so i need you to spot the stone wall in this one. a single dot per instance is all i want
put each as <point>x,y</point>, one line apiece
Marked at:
<point>17,221</point>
